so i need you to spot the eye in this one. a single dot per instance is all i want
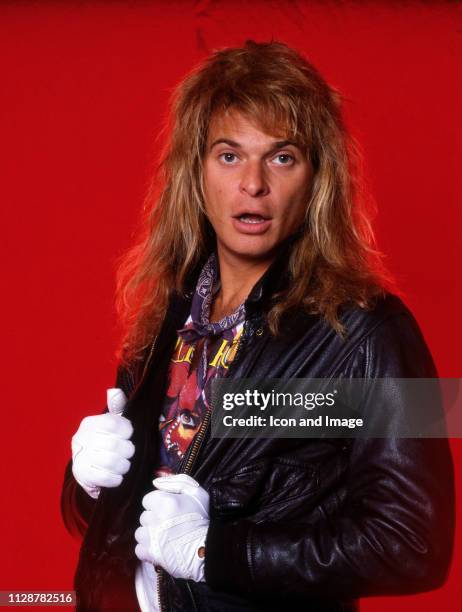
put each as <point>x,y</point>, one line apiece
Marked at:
<point>187,419</point>
<point>228,158</point>
<point>284,159</point>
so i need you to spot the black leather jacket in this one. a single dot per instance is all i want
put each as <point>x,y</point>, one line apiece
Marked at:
<point>299,524</point>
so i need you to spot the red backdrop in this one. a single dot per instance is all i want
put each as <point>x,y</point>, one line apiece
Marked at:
<point>84,88</point>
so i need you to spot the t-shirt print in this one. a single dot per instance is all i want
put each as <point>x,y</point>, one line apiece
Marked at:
<point>186,402</point>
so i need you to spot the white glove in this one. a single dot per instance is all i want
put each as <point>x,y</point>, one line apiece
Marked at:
<point>101,448</point>
<point>174,527</point>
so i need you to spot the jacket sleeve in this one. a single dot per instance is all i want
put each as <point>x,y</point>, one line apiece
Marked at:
<point>76,505</point>
<point>392,533</point>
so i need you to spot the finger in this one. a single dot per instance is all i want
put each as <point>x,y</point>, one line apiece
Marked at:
<point>107,424</point>
<point>177,483</point>
<point>112,443</point>
<point>102,478</point>
<point>142,536</point>
<point>186,486</point>
<point>161,502</point>
<point>202,498</point>
<point>115,424</point>
<point>142,553</point>
<point>76,446</point>
<point>116,400</point>
<point>108,461</point>
<point>146,518</point>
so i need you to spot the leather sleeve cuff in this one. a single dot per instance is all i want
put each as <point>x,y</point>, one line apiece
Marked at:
<point>227,556</point>
<point>76,506</point>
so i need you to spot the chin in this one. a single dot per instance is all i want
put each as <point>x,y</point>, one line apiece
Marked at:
<point>257,252</point>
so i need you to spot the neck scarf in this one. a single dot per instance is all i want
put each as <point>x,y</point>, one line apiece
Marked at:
<point>207,287</point>
<point>199,326</point>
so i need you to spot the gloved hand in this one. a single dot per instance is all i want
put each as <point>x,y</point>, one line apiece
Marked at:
<point>174,527</point>
<point>101,448</point>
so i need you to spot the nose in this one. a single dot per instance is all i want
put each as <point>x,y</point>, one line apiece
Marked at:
<point>253,181</point>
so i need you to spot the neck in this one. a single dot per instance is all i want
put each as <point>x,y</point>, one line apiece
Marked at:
<point>237,278</point>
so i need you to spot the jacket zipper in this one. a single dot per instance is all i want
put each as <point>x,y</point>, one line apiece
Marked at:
<point>148,360</point>
<point>197,442</point>
<point>200,436</point>
<point>196,446</point>
<point>187,469</point>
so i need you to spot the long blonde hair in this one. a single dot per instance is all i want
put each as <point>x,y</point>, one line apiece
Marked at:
<point>333,262</point>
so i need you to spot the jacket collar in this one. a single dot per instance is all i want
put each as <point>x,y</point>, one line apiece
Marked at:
<point>275,279</point>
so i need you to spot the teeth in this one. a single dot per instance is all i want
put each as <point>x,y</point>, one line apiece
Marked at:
<point>253,219</point>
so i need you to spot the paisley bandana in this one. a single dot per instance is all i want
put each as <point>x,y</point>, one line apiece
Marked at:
<point>199,326</point>
<point>207,287</point>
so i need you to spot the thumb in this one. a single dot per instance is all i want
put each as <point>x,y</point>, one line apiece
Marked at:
<point>182,483</point>
<point>176,483</point>
<point>116,400</point>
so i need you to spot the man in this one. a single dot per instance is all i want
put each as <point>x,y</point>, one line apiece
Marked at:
<point>257,262</point>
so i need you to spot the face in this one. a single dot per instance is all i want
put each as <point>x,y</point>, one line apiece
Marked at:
<point>256,187</point>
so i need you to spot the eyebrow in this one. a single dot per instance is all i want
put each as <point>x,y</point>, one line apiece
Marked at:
<point>278,144</point>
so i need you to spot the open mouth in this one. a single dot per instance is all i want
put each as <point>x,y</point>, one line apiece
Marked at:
<point>252,218</point>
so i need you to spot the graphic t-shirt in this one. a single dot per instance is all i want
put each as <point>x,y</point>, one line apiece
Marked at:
<point>203,351</point>
<point>186,400</point>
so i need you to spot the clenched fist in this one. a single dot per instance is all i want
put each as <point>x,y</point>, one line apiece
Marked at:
<point>101,447</point>
<point>174,527</point>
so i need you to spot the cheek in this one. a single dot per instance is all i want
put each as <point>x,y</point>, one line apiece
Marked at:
<point>302,193</point>
<point>217,191</point>
<point>296,202</point>
<point>212,186</point>
<point>212,207</point>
